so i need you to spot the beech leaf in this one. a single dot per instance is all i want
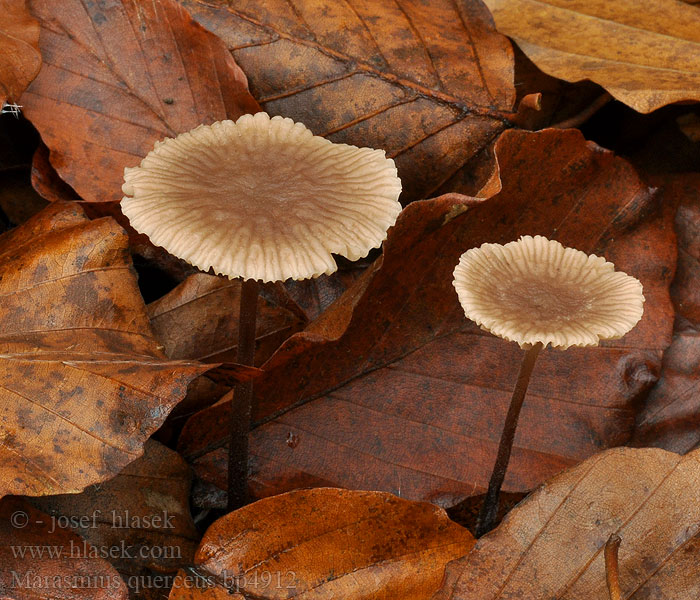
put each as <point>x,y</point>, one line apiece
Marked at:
<point>551,544</point>
<point>432,84</point>
<point>116,78</point>
<point>393,389</point>
<point>20,60</point>
<point>83,382</point>
<point>646,53</point>
<point>326,543</point>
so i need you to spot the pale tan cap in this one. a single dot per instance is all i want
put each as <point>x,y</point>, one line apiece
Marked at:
<point>536,290</point>
<point>262,198</point>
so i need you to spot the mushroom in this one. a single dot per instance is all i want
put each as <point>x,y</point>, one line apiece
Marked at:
<point>261,199</point>
<point>537,293</point>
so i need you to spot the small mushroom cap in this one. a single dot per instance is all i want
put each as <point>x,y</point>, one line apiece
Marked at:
<point>536,290</point>
<point>262,198</point>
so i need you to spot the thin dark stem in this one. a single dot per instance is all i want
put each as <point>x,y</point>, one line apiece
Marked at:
<point>612,571</point>
<point>585,114</point>
<point>489,509</point>
<point>242,402</point>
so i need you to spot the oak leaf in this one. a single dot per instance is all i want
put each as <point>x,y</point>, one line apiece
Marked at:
<point>393,389</point>
<point>551,545</point>
<point>116,78</point>
<point>646,53</point>
<point>326,543</point>
<point>20,59</point>
<point>83,382</point>
<point>432,84</point>
<point>41,559</point>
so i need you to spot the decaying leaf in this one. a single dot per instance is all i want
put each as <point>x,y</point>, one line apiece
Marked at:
<point>670,417</point>
<point>646,53</point>
<point>83,382</point>
<point>326,543</point>
<point>199,320</point>
<point>20,59</point>
<point>42,559</point>
<point>432,84</point>
<point>551,545</point>
<point>393,389</point>
<point>143,513</point>
<point>118,77</point>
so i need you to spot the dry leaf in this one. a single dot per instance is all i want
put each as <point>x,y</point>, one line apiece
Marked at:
<point>429,83</point>
<point>646,53</point>
<point>199,320</point>
<point>41,559</point>
<point>327,543</point>
<point>118,77</point>
<point>551,545</point>
<point>20,60</point>
<point>143,513</point>
<point>82,381</point>
<point>393,389</point>
<point>670,417</point>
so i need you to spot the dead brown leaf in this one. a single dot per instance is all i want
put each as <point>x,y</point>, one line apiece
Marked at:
<point>141,518</point>
<point>646,53</point>
<point>431,83</point>
<point>40,559</point>
<point>20,59</point>
<point>327,543</point>
<point>393,389</point>
<point>117,78</point>
<point>83,382</point>
<point>551,545</point>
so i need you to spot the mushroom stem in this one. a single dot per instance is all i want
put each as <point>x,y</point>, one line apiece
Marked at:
<point>612,571</point>
<point>241,405</point>
<point>489,509</point>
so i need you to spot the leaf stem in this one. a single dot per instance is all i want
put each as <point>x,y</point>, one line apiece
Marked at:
<point>612,571</point>
<point>242,402</point>
<point>489,509</point>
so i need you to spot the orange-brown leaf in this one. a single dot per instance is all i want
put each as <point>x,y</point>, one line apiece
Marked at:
<point>646,53</point>
<point>431,83</point>
<point>551,545</point>
<point>117,78</point>
<point>20,60</point>
<point>82,380</point>
<point>327,543</point>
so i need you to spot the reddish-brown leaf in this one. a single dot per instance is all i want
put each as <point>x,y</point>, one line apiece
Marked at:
<point>431,83</point>
<point>326,543</point>
<point>393,389</point>
<point>82,380</point>
<point>199,320</point>
<point>141,518</point>
<point>40,559</point>
<point>118,77</point>
<point>551,545</point>
<point>20,59</point>
<point>670,417</point>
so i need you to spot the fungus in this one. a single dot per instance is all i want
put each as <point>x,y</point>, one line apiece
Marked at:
<point>537,293</point>
<point>261,199</point>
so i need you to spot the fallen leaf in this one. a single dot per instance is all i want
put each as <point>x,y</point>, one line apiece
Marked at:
<point>551,545</point>
<point>392,389</point>
<point>141,518</point>
<point>326,543</point>
<point>432,84</point>
<point>670,416</point>
<point>646,53</point>
<point>40,559</point>
<point>199,320</point>
<point>82,380</point>
<point>20,59</point>
<point>116,78</point>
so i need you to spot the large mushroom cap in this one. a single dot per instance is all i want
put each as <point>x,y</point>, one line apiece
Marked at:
<point>536,290</point>
<point>262,198</point>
